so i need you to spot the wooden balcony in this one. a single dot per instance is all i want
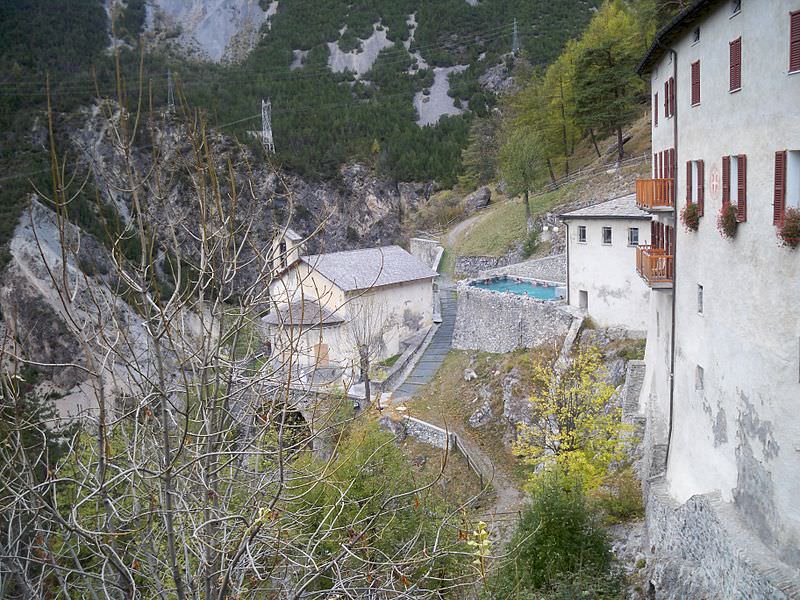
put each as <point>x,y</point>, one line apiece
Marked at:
<point>655,266</point>
<point>655,194</point>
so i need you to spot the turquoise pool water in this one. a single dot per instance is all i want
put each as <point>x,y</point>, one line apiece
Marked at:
<point>515,286</point>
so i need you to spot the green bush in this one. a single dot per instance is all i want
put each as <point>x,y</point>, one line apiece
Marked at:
<point>531,243</point>
<point>620,497</point>
<point>558,537</point>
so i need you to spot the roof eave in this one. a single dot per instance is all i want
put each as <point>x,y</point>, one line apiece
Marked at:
<point>670,31</point>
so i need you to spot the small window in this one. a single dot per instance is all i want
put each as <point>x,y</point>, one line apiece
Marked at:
<point>736,7</point>
<point>696,35</point>
<point>583,299</point>
<point>582,234</point>
<point>699,378</point>
<point>282,254</point>
<point>606,236</point>
<point>633,236</point>
<point>699,299</point>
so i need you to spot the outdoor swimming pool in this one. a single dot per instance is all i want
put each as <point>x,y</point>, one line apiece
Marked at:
<point>534,289</point>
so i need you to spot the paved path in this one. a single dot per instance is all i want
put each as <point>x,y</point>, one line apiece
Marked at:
<point>434,354</point>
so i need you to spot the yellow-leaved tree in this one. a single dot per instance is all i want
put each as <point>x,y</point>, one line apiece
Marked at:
<point>576,424</point>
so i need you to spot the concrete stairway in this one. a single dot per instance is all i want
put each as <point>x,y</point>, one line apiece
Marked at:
<point>434,354</point>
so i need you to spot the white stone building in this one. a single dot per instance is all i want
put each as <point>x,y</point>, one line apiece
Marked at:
<point>324,306</point>
<point>722,384</point>
<point>601,251</point>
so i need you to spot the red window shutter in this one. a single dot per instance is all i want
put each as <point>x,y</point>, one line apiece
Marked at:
<point>726,180</point>
<point>666,99</point>
<point>736,64</point>
<point>688,182</point>
<point>741,203</point>
<point>672,163</point>
<point>661,164</point>
<point>655,165</point>
<point>672,96</point>
<point>696,82</point>
<point>701,192</point>
<point>655,109</point>
<point>794,41</point>
<point>779,203</point>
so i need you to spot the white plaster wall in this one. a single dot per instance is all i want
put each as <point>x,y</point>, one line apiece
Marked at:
<point>407,308</point>
<point>740,435</point>
<point>617,295</point>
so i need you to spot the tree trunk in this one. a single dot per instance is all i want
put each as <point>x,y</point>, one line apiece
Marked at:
<point>528,218</point>
<point>550,170</point>
<point>365,374</point>
<point>564,130</point>
<point>594,142</point>
<point>620,149</point>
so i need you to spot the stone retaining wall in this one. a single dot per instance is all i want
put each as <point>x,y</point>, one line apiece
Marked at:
<point>503,322</point>
<point>472,266</point>
<point>549,268</point>
<point>702,551</point>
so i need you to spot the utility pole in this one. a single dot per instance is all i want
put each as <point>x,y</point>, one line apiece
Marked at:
<point>515,40</point>
<point>266,125</point>
<point>170,94</point>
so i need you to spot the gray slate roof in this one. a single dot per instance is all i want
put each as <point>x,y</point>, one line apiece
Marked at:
<point>302,312</point>
<point>618,208</point>
<point>371,267</point>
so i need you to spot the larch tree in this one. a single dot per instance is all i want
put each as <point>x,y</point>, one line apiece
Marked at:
<point>607,90</point>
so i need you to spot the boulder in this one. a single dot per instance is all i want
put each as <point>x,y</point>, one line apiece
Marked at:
<point>470,374</point>
<point>478,199</point>
<point>481,416</point>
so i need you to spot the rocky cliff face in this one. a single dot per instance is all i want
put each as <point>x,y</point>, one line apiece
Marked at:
<point>217,30</point>
<point>356,209</point>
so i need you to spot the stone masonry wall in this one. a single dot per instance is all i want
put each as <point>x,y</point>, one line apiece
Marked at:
<point>549,268</point>
<point>503,322</point>
<point>471,266</point>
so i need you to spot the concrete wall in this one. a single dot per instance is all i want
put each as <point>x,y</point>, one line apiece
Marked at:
<point>502,322</point>
<point>617,296</point>
<point>425,250</point>
<point>737,434</point>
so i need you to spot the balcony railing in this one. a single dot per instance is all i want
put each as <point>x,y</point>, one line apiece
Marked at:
<point>655,266</point>
<point>655,194</point>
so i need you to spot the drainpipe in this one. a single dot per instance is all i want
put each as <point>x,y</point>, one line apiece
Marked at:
<point>674,261</point>
<point>566,232</point>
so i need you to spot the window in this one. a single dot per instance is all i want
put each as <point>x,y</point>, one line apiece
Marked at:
<point>699,299</point>
<point>696,83</point>
<point>696,35</point>
<point>582,234</point>
<point>633,236</point>
<point>794,41</point>
<point>655,110</point>
<point>695,184</point>
<point>669,97</point>
<point>699,378</point>
<point>734,184</point>
<point>787,183</point>
<point>583,299</point>
<point>606,236</point>
<point>282,253</point>
<point>736,65</point>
